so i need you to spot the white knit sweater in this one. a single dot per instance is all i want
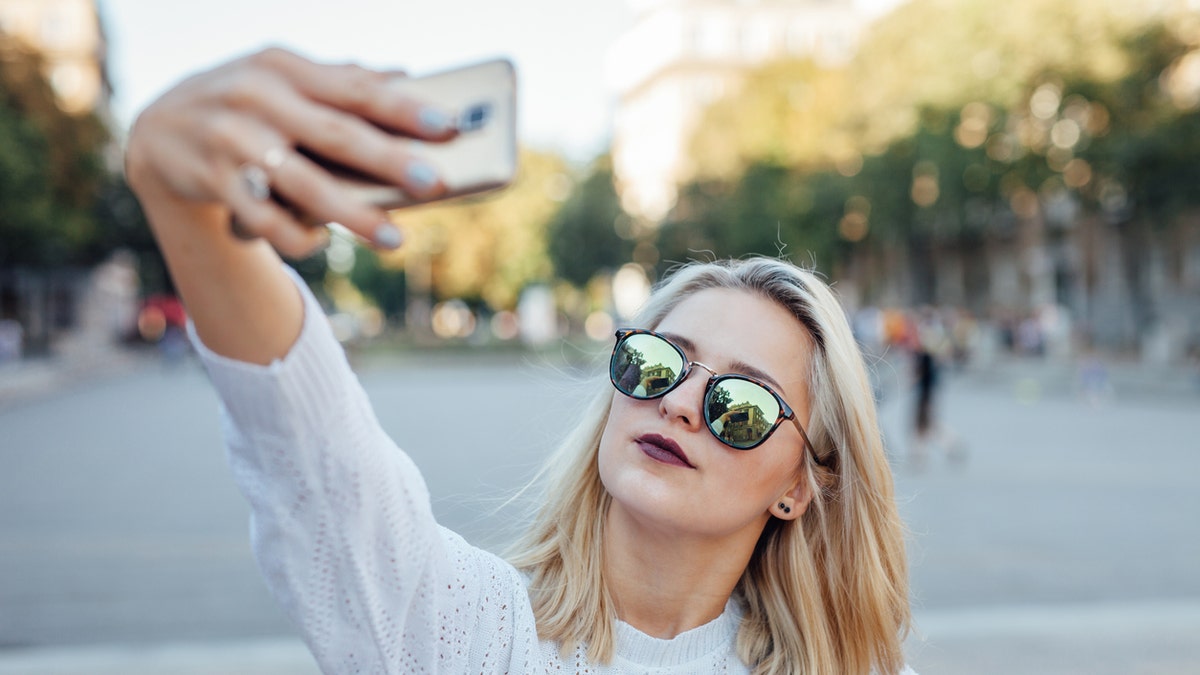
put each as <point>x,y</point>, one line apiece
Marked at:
<point>345,537</point>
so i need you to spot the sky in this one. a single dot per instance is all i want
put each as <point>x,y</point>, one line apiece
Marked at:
<point>559,47</point>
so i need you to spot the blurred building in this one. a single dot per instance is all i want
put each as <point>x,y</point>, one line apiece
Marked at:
<point>682,55</point>
<point>70,36</point>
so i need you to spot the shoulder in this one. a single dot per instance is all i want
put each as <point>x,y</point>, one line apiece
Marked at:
<point>491,597</point>
<point>492,576</point>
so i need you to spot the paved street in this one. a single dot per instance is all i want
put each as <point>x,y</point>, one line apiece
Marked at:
<point>1067,542</point>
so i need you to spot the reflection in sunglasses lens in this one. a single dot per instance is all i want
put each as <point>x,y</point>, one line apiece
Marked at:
<point>645,366</point>
<point>740,412</point>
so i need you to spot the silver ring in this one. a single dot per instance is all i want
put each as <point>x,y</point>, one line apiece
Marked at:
<point>257,179</point>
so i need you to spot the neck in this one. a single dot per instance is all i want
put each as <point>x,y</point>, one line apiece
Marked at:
<point>667,583</point>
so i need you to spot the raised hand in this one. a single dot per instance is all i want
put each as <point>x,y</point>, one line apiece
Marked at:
<point>234,145</point>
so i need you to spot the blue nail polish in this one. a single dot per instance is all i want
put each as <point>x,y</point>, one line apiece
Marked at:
<point>434,121</point>
<point>421,175</point>
<point>388,235</point>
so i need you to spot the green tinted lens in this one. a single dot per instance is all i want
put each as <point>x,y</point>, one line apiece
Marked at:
<point>740,413</point>
<point>645,366</point>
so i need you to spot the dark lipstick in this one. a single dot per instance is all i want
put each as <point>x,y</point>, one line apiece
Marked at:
<point>664,450</point>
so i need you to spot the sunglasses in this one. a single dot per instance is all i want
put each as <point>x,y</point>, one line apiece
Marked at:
<point>740,411</point>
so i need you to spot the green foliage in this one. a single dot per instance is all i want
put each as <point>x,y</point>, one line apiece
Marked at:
<point>385,286</point>
<point>781,114</point>
<point>944,53</point>
<point>487,248</point>
<point>770,211</point>
<point>119,223</point>
<point>1144,161</point>
<point>948,137</point>
<point>26,200</point>
<point>583,238</point>
<point>51,169</point>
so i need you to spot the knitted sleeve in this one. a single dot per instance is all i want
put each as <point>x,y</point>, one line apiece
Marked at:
<point>342,526</point>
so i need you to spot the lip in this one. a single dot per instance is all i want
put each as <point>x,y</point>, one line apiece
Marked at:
<point>663,449</point>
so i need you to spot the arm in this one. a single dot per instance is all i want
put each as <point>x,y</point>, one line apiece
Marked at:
<point>342,526</point>
<point>341,519</point>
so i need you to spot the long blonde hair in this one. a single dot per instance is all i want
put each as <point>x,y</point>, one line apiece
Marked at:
<point>827,594</point>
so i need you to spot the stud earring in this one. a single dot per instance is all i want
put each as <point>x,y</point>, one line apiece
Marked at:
<point>785,508</point>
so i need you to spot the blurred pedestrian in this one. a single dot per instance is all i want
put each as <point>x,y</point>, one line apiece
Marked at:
<point>931,346</point>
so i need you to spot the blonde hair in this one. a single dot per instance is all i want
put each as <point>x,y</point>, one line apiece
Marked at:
<point>825,594</point>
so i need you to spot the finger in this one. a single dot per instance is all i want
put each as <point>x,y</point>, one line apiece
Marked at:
<point>349,141</point>
<point>239,230</point>
<point>363,93</point>
<point>319,198</point>
<point>259,162</point>
<point>255,218</point>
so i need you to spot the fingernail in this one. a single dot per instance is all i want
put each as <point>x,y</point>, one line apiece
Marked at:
<point>421,175</point>
<point>388,235</point>
<point>435,121</point>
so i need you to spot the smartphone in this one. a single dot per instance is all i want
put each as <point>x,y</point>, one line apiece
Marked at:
<point>483,157</point>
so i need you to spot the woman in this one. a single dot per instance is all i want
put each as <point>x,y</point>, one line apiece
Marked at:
<point>728,508</point>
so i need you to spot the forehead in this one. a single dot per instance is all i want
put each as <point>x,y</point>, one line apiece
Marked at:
<point>728,326</point>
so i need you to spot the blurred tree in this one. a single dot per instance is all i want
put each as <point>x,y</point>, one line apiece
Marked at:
<point>486,248</point>
<point>770,211</point>
<point>1132,163</point>
<point>314,270</point>
<point>384,286</point>
<point>805,116</point>
<point>1140,134</point>
<point>976,50</point>
<point>583,236</point>
<point>788,113</point>
<point>985,132</point>
<point>121,224</point>
<point>51,168</point>
<point>26,198</point>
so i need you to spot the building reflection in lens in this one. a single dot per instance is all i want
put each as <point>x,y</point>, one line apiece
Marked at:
<point>656,379</point>
<point>738,424</point>
<point>637,379</point>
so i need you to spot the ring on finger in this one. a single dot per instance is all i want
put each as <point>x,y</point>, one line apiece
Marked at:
<point>256,178</point>
<point>256,181</point>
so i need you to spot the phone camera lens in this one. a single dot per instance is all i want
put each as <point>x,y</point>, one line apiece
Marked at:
<point>474,117</point>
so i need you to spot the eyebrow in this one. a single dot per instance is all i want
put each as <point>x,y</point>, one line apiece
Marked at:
<point>740,367</point>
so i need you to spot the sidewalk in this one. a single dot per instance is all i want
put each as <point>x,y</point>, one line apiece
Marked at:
<point>1031,378</point>
<point>1117,378</point>
<point>1151,631</point>
<point>1107,638</point>
<point>33,378</point>
<point>277,656</point>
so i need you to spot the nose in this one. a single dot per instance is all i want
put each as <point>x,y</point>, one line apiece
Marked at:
<point>686,401</point>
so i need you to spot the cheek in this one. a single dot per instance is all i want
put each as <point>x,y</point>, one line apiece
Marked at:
<point>762,480</point>
<point>610,437</point>
<point>620,414</point>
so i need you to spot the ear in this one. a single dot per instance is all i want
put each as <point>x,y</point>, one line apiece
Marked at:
<point>793,503</point>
